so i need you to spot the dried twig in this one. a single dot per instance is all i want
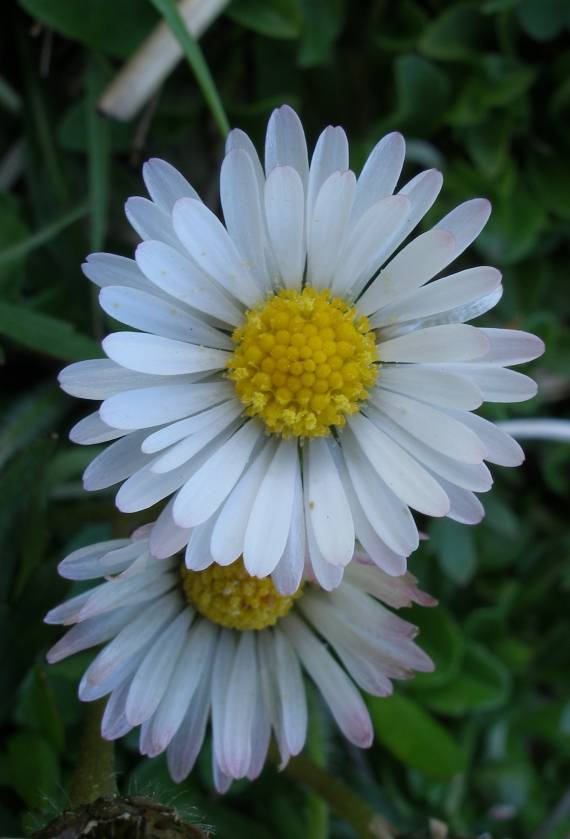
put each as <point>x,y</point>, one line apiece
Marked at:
<point>153,62</point>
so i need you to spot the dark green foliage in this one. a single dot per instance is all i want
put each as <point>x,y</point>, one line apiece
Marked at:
<point>482,91</point>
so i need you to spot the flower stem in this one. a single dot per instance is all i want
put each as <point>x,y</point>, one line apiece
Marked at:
<point>341,799</point>
<point>94,775</point>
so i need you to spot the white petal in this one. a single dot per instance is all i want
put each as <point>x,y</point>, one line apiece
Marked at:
<point>270,518</point>
<point>186,745</point>
<point>292,693</point>
<point>330,155</point>
<point>147,353</point>
<point>440,296</point>
<point>105,269</point>
<point>187,448</point>
<point>380,173</point>
<point>284,214</point>
<point>83,563</point>
<point>368,243</point>
<point>146,407</point>
<point>389,517</point>
<point>497,384</point>
<point>90,633</point>
<point>197,556</point>
<point>437,386</point>
<point>209,244</point>
<point>190,669</point>
<point>326,575</point>
<point>239,192</point>
<point>202,495</point>
<point>376,550</point>
<point>452,342</point>
<point>500,447</point>
<point>465,507</point>
<point>466,222</point>
<point>240,708</point>
<point>151,679</point>
<point>413,266</point>
<point>99,378</point>
<point>421,192</point>
<point>285,143</point>
<point>341,696</point>
<point>326,505</point>
<point>473,476</point>
<point>229,530</point>
<point>150,221</point>
<point>238,139</point>
<point>117,462</point>
<point>145,488</point>
<point>173,273</point>
<point>511,346</point>
<point>166,537</point>
<point>134,637</point>
<point>91,429</point>
<point>114,723</point>
<point>165,184</point>
<point>405,477</point>
<point>288,574</point>
<point>538,429</point>
<point>431,426</point>
<point>328,226</point>
<point>222,671</point>
<point>191,427</point>
<point>150,313</point>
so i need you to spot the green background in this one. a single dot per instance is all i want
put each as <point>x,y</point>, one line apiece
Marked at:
<point>482,91</point>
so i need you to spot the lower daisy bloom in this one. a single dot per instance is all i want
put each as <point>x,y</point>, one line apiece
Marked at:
<point>302,376</point>
<point>181,648</point>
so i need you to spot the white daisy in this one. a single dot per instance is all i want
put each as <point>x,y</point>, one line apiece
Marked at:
<point>183,647</point>
<point>297,379</point>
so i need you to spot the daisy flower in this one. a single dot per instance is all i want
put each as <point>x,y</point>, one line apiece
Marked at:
<point>181,648</point>
<point>298,380</point>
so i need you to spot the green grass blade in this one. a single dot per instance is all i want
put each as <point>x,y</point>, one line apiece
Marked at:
<point>193,53</point>
<point>43,236</point>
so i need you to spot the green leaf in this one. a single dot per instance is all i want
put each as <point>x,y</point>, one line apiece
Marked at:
<point>414,737</point>
<point>441,638</point>
<point>401,27</point>
<point>457,34</point>
<point>33,769</point>
<point>551,181</point>
<point>274,18</point>
<point>29,416</point>
<point>169,11</point>
<point>41,237</point>
<point>544,19</point>
<point>322,23</point>
<point>482,684</point>
<point>46,334</point>
<point>455,549</point>
<point>488,144</point>
<point>422,92</point>
<point>115,27</point>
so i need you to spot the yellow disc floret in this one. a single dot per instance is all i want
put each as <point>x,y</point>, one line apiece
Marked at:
<point>303,361</point>
<point>228,596</point>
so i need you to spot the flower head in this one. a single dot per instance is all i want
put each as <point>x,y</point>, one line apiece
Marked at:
<point>181,648</point>
<point>299,380</point>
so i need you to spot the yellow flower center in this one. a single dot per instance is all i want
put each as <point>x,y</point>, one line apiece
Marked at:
<point>228,596</point>
<point>303,361</point>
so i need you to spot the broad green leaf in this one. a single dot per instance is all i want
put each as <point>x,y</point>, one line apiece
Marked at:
<point>544,19</point>
<point>414,737</point>
<point>455,549</point>
<point>33,769</point>
<point>29,416</point>
<point>401,26</point>
<point>422,92</point>
<point>45,334</point>
<point>488,144</point>
<point>441,638</point>
<point>37,709</point>
<point>551,181</point>
<point>274,18</point>
<point>115,27</point>
<point>457,34</point>
<point>482,684</point>
<point>322,23</point>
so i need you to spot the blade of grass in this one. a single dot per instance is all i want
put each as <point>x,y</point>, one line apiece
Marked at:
<point>98,151</point>
<point>46,334</point>
<point>42,236</point>
<point>9,99</point>
<point>193,53</point>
